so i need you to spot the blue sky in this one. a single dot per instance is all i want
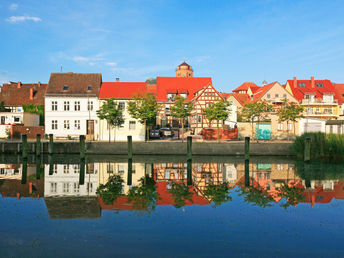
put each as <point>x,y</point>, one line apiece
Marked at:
<point>231,41</point>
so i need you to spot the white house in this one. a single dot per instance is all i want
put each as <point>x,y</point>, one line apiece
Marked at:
<point>71,103</point>
<point>122,93</point>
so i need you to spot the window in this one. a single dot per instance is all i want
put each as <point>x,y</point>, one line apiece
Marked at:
<point>285,96</point>
<point>54,106</point>
<point>290,127</point>
<point>66,169</point>
<point>199,119</point>
<point>183,95</point>
<point>276,95</point>
<point>206,105</point>
<point>66,124</point>
<point>76,187</point>
<point>17,119</point>
<point>54,125</point>
<point>167,109</point>
<point>77,105</point>
<point>55,168</point>
<point>133,169</point>
<point>76,168</point>
<point>120,169</point>
<point>328,110</point>
<point>121,105</point>
<point>268,96</point>
<point>317,110</point>
<point>132,125</point>
<point>77,124</point>
<point>121,125</point>
<point>66,106</point>
<point>90,105</point>
<point>171,96</point>
<point>319,84</point>
<point>309,110</point>
<point>89,88</point>
<point>280,126</point>
<point>53,187</point>
<point>65,88</point>
<point>279,167</point>
<point>66,187</point>
<point>89,187</point>
<point>109,168</point>
<point>302,84</point>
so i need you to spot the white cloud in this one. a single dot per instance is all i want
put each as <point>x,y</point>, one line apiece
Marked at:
<point>16,19</point>
<point>80,59</point>
<point>111,64</point>
<point>13,7</point>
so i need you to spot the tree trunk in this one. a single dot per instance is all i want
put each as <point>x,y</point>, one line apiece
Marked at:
<point>287,130</point>
<point>218,132</point>
<point>182,129</point>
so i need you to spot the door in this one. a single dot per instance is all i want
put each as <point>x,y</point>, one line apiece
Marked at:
<point>90,130</point>
<point>264,131</point>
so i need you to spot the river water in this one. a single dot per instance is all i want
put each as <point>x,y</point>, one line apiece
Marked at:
<point>166,206</point>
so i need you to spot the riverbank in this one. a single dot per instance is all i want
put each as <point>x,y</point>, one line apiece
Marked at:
<point>154,148</point>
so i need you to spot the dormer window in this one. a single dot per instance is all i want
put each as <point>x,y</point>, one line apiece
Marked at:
<point>65,88</point>
<point>302,84</point>
<point>183,95</point>
<point>319,84</point>
<point>89,88</point>
<point>171,96</point>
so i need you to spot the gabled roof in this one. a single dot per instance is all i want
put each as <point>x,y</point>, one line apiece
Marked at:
<point>177,84</point>
<point>339,88</point>
<point>299,92</point>
<point>184,64</point>
<point>262,90</point>
<point>66,84</point>
<point>241,98</point>
<point>18,94</point>
<point>121,90</point>
<point>246,85</point>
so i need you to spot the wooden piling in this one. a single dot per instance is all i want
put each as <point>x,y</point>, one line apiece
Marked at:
<point>130,147</point>
<point>189,172</point>
<point>307,153</point>
<point>247,173</point>
<point>25,146</point>
<point>24,172</point>
<point>51,143</point>
<point>189,148</point>
<point>51,164</point>
<point>82,172</point>
<point>130,171</point>
<point>38,168</point>
<point>247,148</point>
<point>38,145</point>
<point>82,146</point>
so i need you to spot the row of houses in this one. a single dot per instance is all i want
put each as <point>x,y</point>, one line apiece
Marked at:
<point>70,101</point>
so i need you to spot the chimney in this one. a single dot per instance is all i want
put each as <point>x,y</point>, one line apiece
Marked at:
<point>39,84</point>
<point>312,82</point>
<point>295,82</point>
<point>19,84</point>
<point>117,79</point>
<point>31,94</point>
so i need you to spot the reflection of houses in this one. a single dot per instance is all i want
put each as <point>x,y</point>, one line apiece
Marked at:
<point>65,180</point>
<point>10,171</point>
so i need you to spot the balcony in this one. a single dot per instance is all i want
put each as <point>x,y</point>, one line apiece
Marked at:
<point>318,102</point>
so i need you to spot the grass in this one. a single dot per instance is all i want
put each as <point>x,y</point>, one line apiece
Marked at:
<point>323,146</point>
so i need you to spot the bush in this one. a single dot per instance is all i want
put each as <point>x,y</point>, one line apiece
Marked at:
<point>323,146</point>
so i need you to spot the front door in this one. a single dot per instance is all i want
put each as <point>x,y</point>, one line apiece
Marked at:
<point>90,130</point>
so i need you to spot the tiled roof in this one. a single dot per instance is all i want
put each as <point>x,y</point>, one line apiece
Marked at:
<point>121,90</point>
<point>74,84</point>
<point>339,88</point>
<point>262,90</point>
<point>241,98</point>
<point>178,84</point>
<point>299,92</point>
<point>13,95</point>
<point>247,85</point>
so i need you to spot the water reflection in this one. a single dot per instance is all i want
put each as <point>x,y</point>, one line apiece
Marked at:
<point>83,189</point>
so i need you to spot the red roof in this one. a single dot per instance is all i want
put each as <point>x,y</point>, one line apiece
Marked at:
<point>241,98</point>
<point>339,88</point>
<point>262,90</point>
<point>299,92</point>
<point>247,85</point>
<point>180,85</point>
<point>121,90</point>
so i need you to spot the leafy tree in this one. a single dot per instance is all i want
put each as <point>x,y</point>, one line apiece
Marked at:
<point>217,111</point>
<point>290,112</point>
<point>182,111</point>
<point>145,108</point>
<point>36,109</point>
<point>218,193</point>
<point>3,108</point>
<point>112,113</point>
<point>256,195</point>
<point>144,196</point>
<point>292,194</point>
<point>180,194</point>
<point>111,190</point>
<point>255,111</point>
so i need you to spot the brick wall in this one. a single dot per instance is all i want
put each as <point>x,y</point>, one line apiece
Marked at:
<point>225,134</point>
<point>30,131</point>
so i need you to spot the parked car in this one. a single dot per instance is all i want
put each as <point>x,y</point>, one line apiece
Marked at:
<point>166,132</point>
<point>154,134</point>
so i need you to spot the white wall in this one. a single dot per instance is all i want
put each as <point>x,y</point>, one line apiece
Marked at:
<point>60,115</point>
<point>232,117</point>
<point>304,121</point>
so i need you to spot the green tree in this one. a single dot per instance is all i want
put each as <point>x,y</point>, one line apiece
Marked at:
<point>218,193</point>
<point>111,190</point>
<point>290,112</point>
<point>256,195</point>
<point>180,194</point>
<point>145,108</point>
<point>182,111</point>
<point>255,111</point>
<point>112,113</point>
<point>217,111</point>
<point>292,194</point>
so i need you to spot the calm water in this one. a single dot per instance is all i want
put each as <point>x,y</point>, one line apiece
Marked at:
<point>166,206</point>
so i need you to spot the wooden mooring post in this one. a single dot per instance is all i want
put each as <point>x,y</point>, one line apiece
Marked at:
<point>130,147</point>
<point>189,148</point>
<point>38,145</point>
<point>51,143</point>
<point>82,172</point>
<point>247,148</point>
<point>130,172</point>
<point>24,172</point>
<point>38,167</point>
<point>25,147</point>
<point>82,146</point>
<point>307,153</point>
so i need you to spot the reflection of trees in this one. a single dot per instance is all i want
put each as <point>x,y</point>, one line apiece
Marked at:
<point>180,194</point>
<point>145,195</point>
<point>256,195</point>
<point>218,193</point>
<point>292,194</point>
<point>111,190</point>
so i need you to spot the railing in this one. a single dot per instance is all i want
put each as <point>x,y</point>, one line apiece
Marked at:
<point>318,101</point>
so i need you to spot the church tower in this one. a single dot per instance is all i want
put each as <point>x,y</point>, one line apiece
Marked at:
<point>184,70</point>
